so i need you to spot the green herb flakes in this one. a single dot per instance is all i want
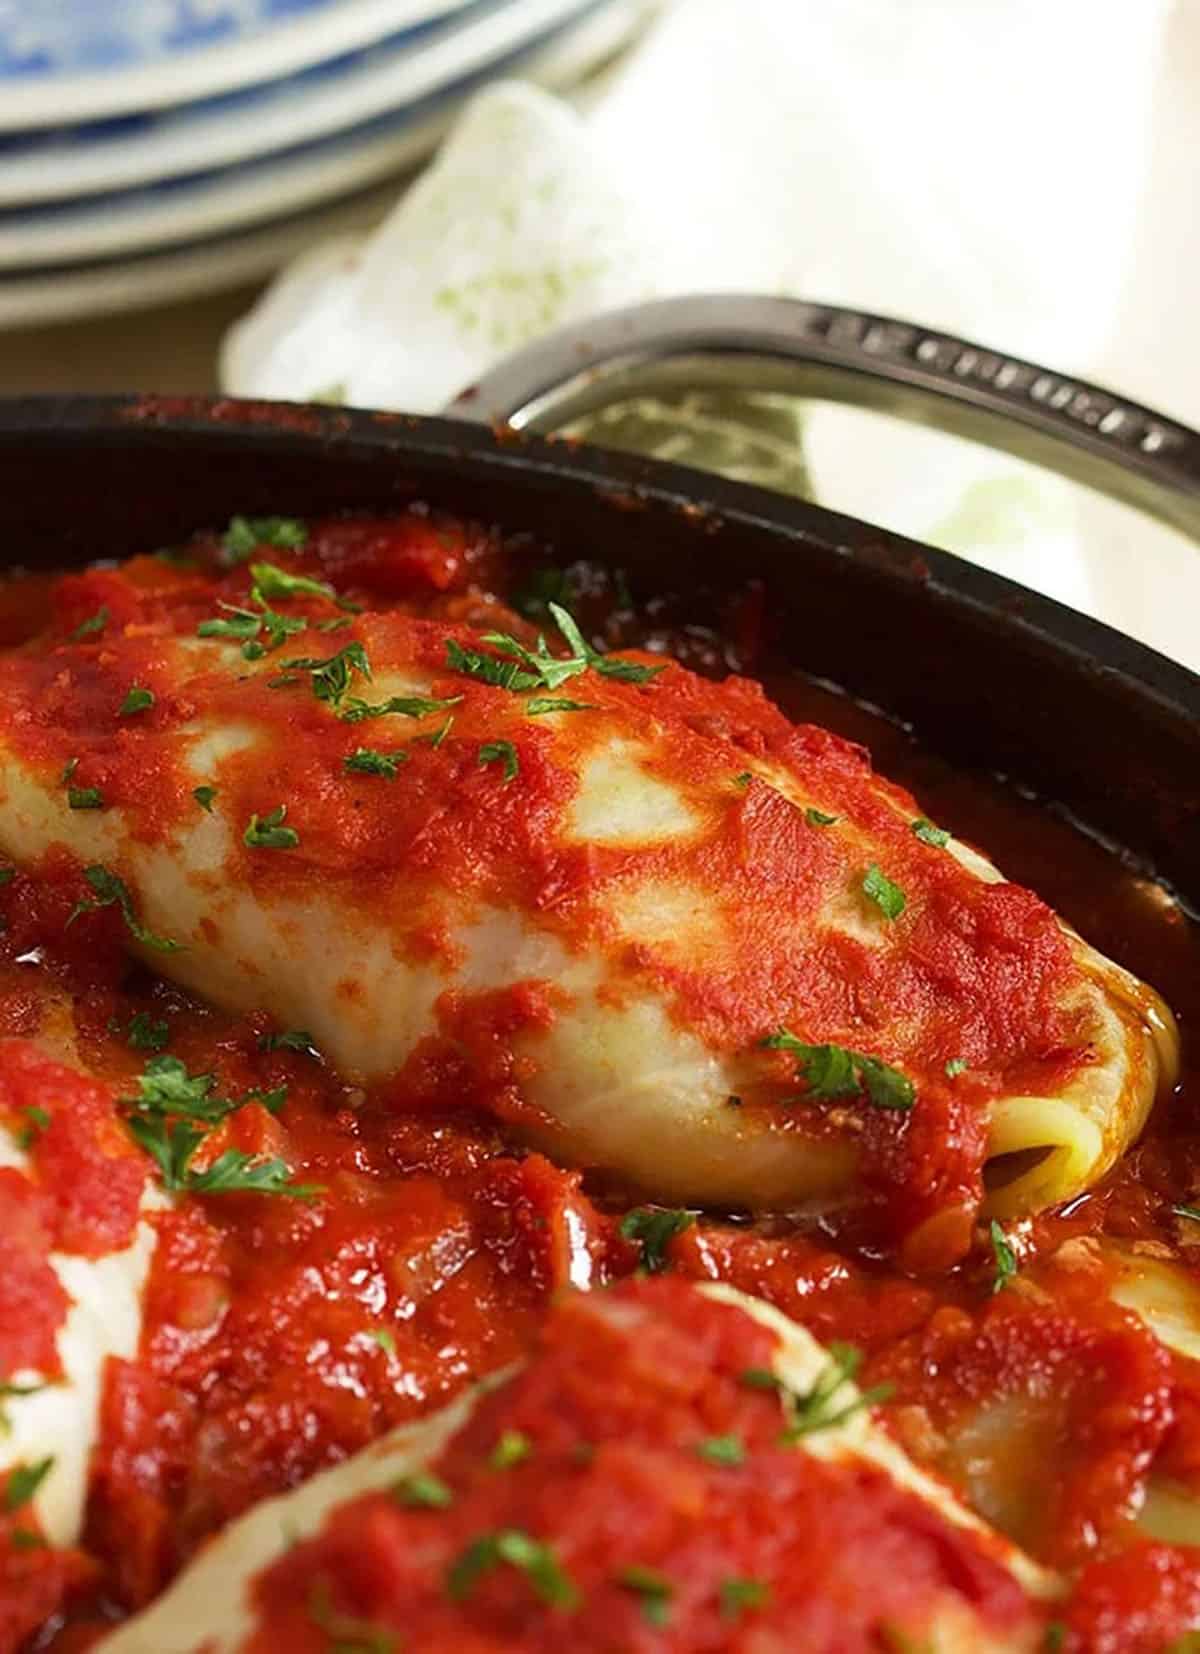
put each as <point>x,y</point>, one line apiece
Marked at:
<point>368,761</point>
<point>513,1548</point>
<point>292,1039</point>
<point>23,1483</point>
<point>90,627</point>
<point>819,1408</point>
<point>503,753</point>
<point>654,1589</point>
<point>245,534</point>
<point>743,1596</point>
<point>353,710</point>
<point>147,1033</point>
<point>331,677</point>
<point>270,581</point>
<point>831,1072</point>
<point>512,1449</point>
<point>929,834</point>
<point>1004,1257</point>
<point>723,1450</point>
<point>654,1228</point>
<point>268,832</point>
<point>542,704</point>
<point>111,891</point>
<point>888,897</point>
<point>136,700</point>
<point>424,1490</point>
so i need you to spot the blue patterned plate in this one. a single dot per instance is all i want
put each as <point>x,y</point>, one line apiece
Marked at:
<point>210,231</point>
<point>83,60</point>
<point>148,150</point>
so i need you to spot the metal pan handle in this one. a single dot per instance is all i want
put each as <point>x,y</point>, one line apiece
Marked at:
<point>833,354</point>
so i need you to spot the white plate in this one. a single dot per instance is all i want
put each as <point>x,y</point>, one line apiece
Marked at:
<point>272,118</point>
<point>227,261</point>
<point>278,48</point>
<point>140,220</point>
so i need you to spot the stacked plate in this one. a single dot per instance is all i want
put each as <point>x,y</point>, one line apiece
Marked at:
<point>154,149</point>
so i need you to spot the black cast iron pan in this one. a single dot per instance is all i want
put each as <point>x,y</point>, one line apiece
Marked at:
<point>989,674</point>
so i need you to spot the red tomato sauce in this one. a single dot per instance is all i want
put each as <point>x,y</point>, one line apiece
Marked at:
<point>980,973</point>
<point>281,1335</point>
<point>650,1541</point>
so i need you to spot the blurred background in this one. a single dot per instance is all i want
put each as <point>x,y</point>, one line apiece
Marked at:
<point>373,201</point>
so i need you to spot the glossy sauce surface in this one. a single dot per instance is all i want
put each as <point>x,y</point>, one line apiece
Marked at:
<point>281,1335</point>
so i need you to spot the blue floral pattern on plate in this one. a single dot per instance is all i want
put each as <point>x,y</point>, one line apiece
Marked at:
<point>65,37</point>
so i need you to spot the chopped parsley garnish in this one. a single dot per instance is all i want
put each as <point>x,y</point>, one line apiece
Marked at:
<point>36,1121</point>
<point>111,891</point>
<point>626,671</point>
<point>347,1633</point>
<point>512,1448</point>
<point>929,834</point>
<point>137,700</point>
<point>888,897</point>
<point>166,1087</point>
<point>1055,1636</point>
<point>242,623</point>
<point>147,1033</point>
<point>654,1228</point>
<point>1004,1256</point>
<point>425,1490</point>
<point>245,624</point>
<point>818,818</point>
<point>171,1117</point>
<point>740,1596</point>
<point>85,798</point>
<point>551,703</point>
<point>955,1067</point>
<point>293,1039</point>
<point>270,581</point>
<point>523,668</point>
<point>245,534</point>
<point>514,1548</point>
<point>24,1482</point>
<point>331,677</point>
<point>655,1590</point>
<point>743,778</point>
<point>7,875</point>
<point>367,761</point>
<point>384,1337</point>
<point>819,1408</point>
<point>501,752</point>
<point>354,710</point>
<point>236,1172</point>
<point>722,1450</point>
<point>439,735</point>
<point>204,797</point>
<point>88,628</point>
<point>833,1071</point>
<point>502,674</point>
<point>268,832</point>
<point>1192,1212</point>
